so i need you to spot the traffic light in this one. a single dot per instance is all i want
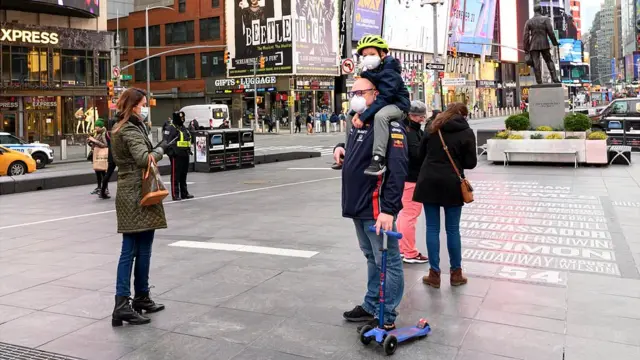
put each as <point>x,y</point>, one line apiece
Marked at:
<point>227,56</point>
<point>110,87</point>
<point>262,58</point>
<point>454,52</point>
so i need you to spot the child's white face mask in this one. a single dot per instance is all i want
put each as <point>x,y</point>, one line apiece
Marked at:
<point>358,104</point>
<point>370,62</point>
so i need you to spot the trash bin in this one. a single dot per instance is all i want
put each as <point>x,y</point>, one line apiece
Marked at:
<point>232,148</point>
<point>209,150</point>
<point>247,148</point>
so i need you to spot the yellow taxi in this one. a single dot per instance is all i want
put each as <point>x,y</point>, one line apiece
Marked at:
<point>14,163</point>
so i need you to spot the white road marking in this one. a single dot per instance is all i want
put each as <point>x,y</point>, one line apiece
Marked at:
<point>169,183</point>
<point>245,248</point>
<point>310,168</point>
<point>170,203</point>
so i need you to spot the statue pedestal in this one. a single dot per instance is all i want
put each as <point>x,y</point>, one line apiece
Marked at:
<point>546,105</point>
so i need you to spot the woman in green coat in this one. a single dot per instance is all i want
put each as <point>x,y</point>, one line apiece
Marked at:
<point>131,150</point>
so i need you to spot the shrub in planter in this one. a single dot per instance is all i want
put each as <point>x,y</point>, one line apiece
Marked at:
<point>572,137</point>
<point>537,136</point>
<point>544,128</point>
<point>525,114</point>
<point>517,123</point>
<point>577,122</point>
<point>554,136</point>
<point>515,137</point>
<point>597,135</point>
<point>502,135</point>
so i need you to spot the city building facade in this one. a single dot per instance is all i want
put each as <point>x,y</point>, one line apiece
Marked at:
<point>193,31</point>
<point>54,69</point>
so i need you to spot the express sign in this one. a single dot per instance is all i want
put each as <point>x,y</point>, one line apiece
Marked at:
<point>29,36</point>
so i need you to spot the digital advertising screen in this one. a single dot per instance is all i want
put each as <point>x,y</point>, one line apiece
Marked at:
<point>89,6</point>
<point>508,31</point>
<point>472,23</point>
<point>570,50</point>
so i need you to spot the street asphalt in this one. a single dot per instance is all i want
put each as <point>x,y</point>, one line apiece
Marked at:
<point>261,265</point>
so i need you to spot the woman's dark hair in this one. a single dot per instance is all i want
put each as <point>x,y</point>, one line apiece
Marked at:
<point>127,101</point>
<point>455,109</point>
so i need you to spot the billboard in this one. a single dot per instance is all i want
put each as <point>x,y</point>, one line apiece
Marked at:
<point>408,26</point>
<point>508,32</point>
<point>570,50</point>
<point>89,6</point>
<point>472,23</point>
<point>316,34</point>
<point>259,27</point>
<point>367,18</point>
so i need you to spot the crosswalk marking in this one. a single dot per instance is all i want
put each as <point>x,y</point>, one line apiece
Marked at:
<point>323,150</point>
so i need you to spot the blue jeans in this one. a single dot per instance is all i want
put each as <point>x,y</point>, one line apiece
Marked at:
<point>452,228</point>
<point>134,246</point>
<point>370,244</point>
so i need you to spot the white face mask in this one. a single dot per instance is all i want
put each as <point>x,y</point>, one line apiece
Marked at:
<point>359,104</point>
<point>144,112</point>
<point>370,62</point>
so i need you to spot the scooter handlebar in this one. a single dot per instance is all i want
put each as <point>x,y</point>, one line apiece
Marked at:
<point>392,234</point>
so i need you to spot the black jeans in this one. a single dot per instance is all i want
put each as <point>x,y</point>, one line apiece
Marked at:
<point>107,177</point>
<point>100,178</point>
<point>298,127</point>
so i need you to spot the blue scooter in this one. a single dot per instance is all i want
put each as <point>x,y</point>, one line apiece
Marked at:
<point>390,339</point>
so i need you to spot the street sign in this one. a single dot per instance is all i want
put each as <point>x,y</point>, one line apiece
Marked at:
<point>348,66</point>
<point>435,66</point>
<point>116,72</point>
<point>125,77</point>
<point>454,82</point>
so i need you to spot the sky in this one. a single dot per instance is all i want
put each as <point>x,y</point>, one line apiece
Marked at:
<point>589,10</point>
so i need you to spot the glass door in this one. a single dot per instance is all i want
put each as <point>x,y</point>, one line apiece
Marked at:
<point>41,127</point>
<point>9,123</point>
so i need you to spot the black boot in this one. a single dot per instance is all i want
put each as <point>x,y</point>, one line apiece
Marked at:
<point>142,301</point>
<point>123,312</point>
<point>377,166</point>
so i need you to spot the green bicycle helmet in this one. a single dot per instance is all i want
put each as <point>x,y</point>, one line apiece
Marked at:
<point>375,41</point>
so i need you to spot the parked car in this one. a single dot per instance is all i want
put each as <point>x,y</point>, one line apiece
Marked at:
<point>14,163</point>
<point>41,153</point>
<point>616,110</point>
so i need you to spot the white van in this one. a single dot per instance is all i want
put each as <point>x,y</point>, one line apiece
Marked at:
<point>209,116</point>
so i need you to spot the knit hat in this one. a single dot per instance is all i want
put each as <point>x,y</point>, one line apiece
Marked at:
<point>99,123</point>
<point>418,108</point>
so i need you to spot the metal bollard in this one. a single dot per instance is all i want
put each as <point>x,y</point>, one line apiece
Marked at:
<point>63,149</point>
<point>240,124</point>
<point>159,134</point>
<point>341,126</point>
<point>291,127</point>
<point>277,127</point>
<point>253,126</point>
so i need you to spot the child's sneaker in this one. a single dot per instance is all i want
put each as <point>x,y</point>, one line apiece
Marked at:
<point>377,166</point>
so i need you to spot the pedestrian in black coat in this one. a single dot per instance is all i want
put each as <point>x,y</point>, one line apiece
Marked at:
<point>439,186</point>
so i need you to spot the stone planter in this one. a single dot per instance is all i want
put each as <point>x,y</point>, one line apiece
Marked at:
<point>496,148</point>
<point>596,151</point>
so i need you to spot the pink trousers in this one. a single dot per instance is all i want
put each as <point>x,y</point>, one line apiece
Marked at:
<point>406,222</point>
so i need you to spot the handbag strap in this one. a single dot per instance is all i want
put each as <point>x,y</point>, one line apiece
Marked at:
<point>446,150</point>
<point>150,160</point>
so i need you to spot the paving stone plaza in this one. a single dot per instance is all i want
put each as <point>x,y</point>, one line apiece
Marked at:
<point>552,254</point>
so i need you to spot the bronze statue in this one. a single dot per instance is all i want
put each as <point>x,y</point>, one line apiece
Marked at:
<point>535,42</point>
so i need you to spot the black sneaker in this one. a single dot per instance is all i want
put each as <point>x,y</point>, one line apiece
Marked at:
<point>357,314</point>
<point>374,324</point>
<point>336,166</point>
<point>95,191</point>
<point>188,196</point>
<point>377,166</point>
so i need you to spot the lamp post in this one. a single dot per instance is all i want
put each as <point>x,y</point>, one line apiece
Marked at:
<point>146,29</point>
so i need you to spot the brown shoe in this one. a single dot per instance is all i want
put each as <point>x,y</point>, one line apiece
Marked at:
<point>457,278</point>
<point>433,279</point>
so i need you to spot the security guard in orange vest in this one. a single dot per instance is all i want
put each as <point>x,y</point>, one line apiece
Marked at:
<point>179,153</point>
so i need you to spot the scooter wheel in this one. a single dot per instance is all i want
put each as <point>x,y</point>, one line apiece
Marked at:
<point>390,344</point>
<point>366,340</point>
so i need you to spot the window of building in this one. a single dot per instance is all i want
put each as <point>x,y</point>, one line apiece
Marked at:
<point>210,29</point>
<point>155,70</point>
<point>74,68</point>
<point>140,36</point>
<point>215,3</point>
<point>179,33</point>
<point>5,65</point>
<point>104,68</point>
<point>89,68</point>
<point>57,67</point>
<point>124,40</point>
<point>212,64</point>
<point>182,5</point>
<point>19,65</point>
<point>181,67</point>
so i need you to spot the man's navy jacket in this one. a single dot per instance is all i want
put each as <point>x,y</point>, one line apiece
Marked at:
<point>364,197</point>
